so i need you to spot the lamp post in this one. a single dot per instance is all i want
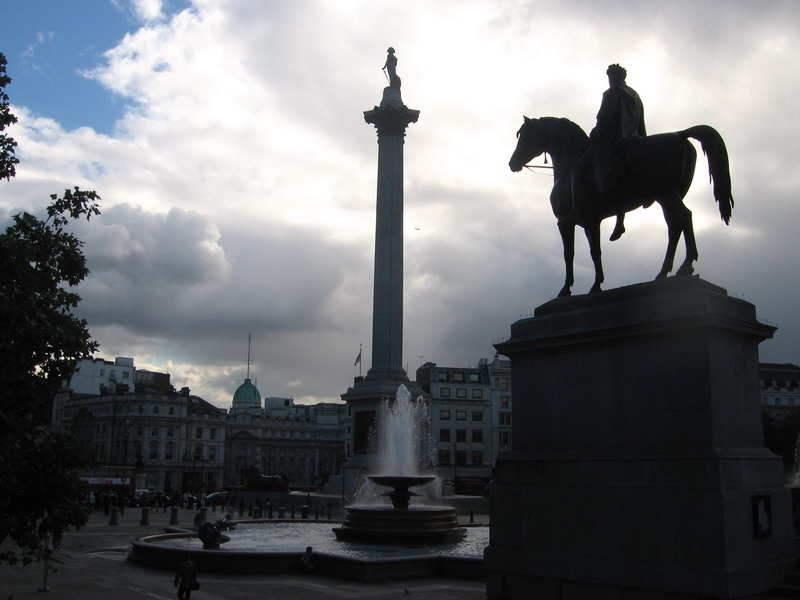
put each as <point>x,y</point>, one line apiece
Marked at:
<point>455,467</point>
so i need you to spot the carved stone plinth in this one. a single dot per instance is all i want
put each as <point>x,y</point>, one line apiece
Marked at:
<point>638,468</point>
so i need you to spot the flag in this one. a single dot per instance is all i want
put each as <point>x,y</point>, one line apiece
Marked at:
<point>358,359</point>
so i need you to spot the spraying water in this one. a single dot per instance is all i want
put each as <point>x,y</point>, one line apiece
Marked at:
<point>403,428</point>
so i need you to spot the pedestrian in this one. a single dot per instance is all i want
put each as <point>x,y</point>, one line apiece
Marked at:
<point>186,579</point>
<point>308,562</point>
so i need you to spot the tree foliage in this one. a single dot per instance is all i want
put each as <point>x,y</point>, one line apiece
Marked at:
<point>781,433</point>
<point>40,340</point>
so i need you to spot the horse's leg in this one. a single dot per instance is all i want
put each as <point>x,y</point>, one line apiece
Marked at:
<point>691,245</point>
<point>593,237</point>
<point>674,229</point>
<point>567,231</point>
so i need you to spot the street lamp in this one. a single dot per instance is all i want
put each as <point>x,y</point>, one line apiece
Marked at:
<point>455,462</point>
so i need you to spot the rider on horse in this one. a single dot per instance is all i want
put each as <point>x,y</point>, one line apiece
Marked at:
<point>621,116</point>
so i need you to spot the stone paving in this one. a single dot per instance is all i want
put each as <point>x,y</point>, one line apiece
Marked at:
<point>92,564</point>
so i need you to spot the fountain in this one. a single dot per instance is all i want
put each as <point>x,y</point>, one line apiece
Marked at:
<point>401,427</point>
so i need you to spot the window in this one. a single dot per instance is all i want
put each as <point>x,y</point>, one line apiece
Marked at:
<point>444,392</point>
<point>461,392</point>
<point>168,454</point>
<point>444,415</point>
<point>444,458</point>
<point>170,431</point>
<point>154,452</point>
<point>444,435</point>
<point>461,435</point>
<point>139,431</point>
<point>504,383</point>
<point>212,434</point>
<point>102,372</point>
<point>505,438</point>
<point>461,457</point>
<point>477,457</point>
<point>505,401</point>
<point>141,409</point>
<point>474,377</point>
<point>199,435</point>
<point>212,454</point>
<point>477,436</point>
<point>154,432</point>
<point>505,418</point>
<point>477,415</point>
<point>155,409</point>
<point>172,410</point>
<point>477,393</point>
<point>458,377</point>
<point>125,374</point>
<point>442,376</point>
<point>461,415</point>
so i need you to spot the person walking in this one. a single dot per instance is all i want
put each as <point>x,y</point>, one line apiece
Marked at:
<point>186,578</point>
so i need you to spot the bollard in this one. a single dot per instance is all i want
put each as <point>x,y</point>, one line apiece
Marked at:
<point>114,516</point>
<point>304,511</point>
<point>241,509</point>
<point>329,511</point>
<point>316,513</point>
<point>145,516</point>
<point>281,512</point>
<point>293,511</point>
<point>471,516</point>
<point>250,509</point>
<point>257,512</point>
<point>173,515</point>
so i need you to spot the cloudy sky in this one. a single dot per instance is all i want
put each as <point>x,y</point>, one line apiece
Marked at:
<point>228,143</point>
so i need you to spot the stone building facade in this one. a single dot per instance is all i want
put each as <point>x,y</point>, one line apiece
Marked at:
<point>303,443</point>
<point>174,440</point>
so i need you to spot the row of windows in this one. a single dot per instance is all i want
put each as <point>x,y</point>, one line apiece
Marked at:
<point>445,457</point>
<point>156,409</point>
<point>212,432</point>
<point>458,376</point>
<point>446,392</point>
<point>461,415</point>
<point>780,401</point>
<point>461,435</point>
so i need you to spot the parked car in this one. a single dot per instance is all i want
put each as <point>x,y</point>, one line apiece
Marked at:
<point>218,499</point>
<point>150,498</point>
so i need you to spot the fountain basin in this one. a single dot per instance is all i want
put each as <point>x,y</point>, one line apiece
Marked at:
<point>413,525</point>
<point>275,547</point>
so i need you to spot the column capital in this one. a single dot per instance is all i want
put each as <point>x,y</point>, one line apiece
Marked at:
<point>392,116</point>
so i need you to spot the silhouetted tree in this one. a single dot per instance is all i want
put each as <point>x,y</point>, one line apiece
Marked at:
<point>781,432</point>
<point>40,340</point>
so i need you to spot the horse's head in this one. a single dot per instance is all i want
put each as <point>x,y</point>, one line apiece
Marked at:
<point>529,144</point>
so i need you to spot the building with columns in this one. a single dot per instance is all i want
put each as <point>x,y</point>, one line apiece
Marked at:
<point>302,443</point>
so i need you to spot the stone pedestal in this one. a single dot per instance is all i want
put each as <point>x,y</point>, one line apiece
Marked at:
<point>638,469</point>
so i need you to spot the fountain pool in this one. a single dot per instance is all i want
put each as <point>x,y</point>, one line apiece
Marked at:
<point>276,547</point>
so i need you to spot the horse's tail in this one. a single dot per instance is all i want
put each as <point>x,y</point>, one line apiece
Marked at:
<point>718,167</point>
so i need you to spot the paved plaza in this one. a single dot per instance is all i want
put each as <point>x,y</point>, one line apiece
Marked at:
<point>92,565</point>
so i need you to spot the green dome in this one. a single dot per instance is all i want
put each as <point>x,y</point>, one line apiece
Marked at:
<point>247,396</point>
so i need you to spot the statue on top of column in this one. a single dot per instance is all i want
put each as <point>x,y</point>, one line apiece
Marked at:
<point>391,68</point>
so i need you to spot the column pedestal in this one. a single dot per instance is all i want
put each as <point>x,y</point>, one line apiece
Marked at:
<point>638,469</point>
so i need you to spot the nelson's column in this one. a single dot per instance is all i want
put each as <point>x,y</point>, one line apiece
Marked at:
<point>386,373</point>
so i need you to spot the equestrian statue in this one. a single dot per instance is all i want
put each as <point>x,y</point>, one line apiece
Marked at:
<point>618,168</point>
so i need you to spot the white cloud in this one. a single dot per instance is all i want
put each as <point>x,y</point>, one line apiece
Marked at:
<point>239,188</point>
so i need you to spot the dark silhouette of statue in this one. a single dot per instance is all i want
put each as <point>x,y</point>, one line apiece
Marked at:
<point>621,117</point>
<point>254,480</point>
<point>391,68</point>
<point>658,168</point>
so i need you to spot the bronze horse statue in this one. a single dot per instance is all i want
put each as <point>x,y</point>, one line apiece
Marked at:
<point>657,168</point>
